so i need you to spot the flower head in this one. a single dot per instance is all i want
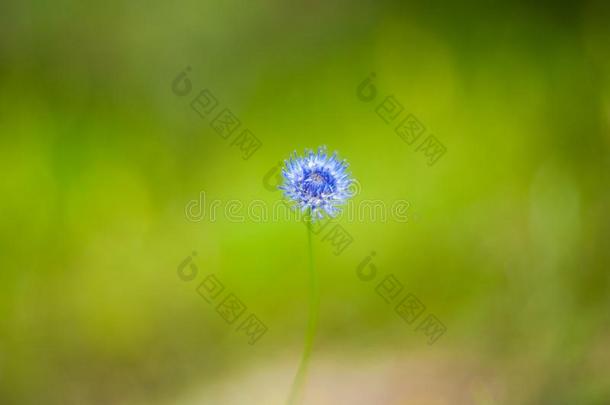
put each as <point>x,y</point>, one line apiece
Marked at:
<point>316,182</point>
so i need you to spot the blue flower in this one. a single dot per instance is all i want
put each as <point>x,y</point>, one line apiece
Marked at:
<point>316,182</point>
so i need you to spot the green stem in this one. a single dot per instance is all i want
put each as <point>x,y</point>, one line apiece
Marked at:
<point>314,303</point>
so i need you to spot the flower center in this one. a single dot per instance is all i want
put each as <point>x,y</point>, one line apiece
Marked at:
<point>316,178</point>
<point>317,183</point>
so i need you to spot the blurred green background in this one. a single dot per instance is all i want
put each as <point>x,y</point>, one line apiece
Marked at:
<point>507,242</point>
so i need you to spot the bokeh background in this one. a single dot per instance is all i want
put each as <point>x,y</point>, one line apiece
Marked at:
<point>506,242</point>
